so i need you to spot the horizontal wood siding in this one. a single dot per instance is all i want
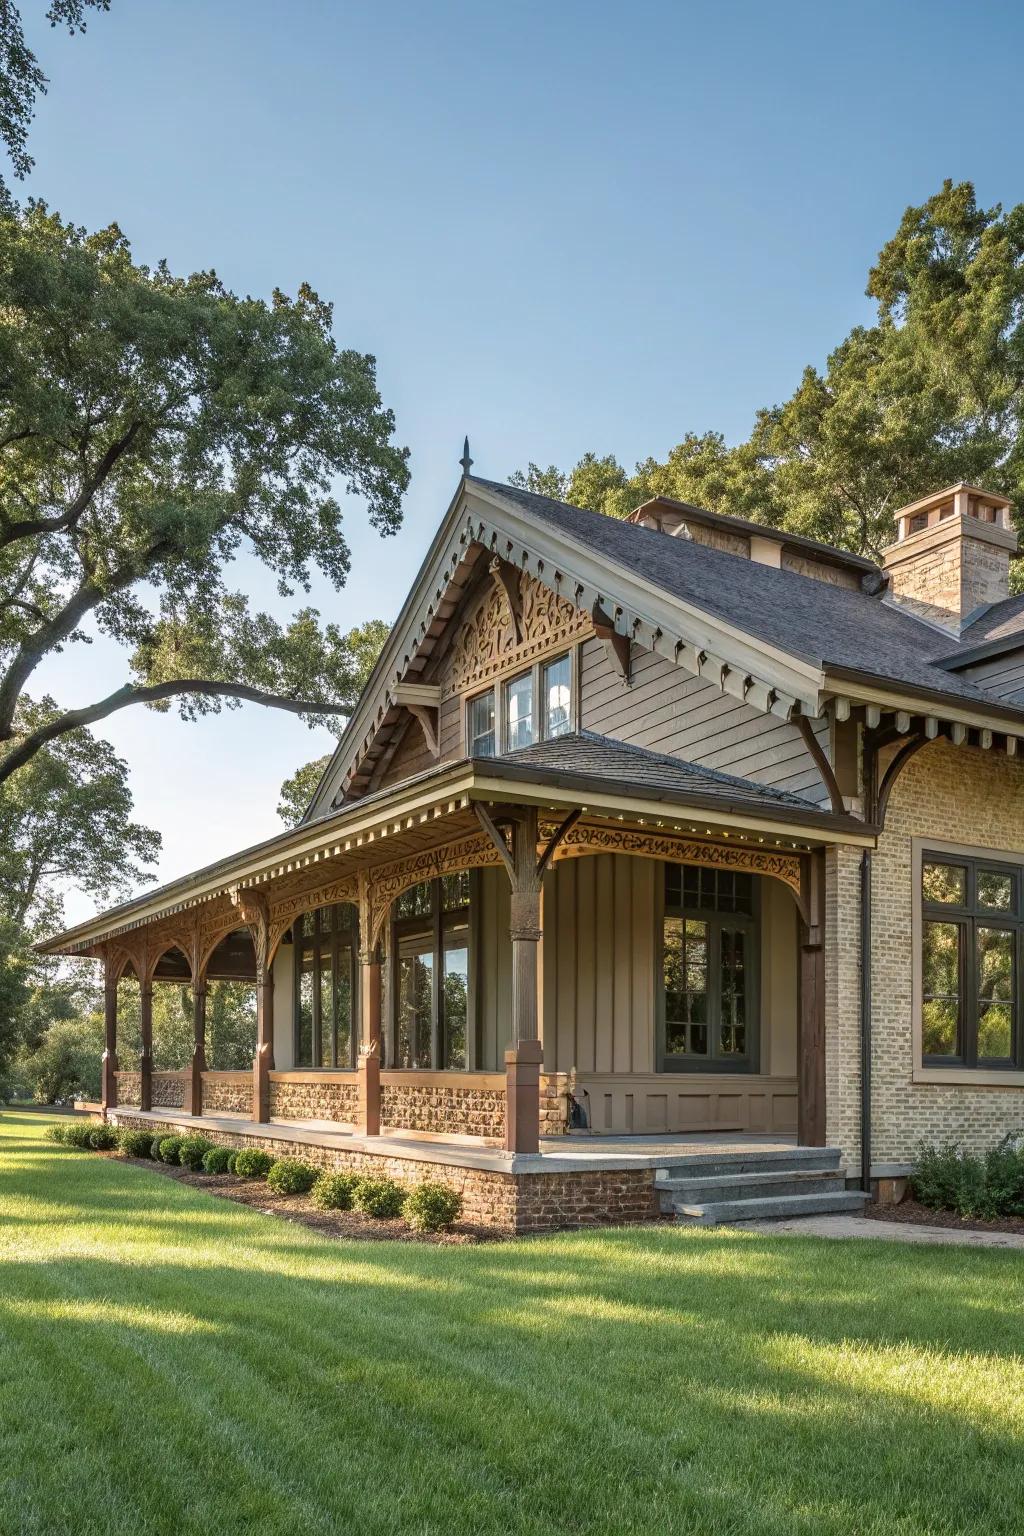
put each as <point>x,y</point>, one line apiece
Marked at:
<point>668,710</point>
<point>412,756</point>
<point>1002,676</point>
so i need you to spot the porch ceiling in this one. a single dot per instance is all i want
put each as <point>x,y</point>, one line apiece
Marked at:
<point>435,809</point>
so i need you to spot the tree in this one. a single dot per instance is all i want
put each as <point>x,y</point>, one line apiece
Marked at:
<point>65,1064</point>
<point>22,80</point>
<point>932,393</point>
<point>151,428</point>
<point>65,819</point>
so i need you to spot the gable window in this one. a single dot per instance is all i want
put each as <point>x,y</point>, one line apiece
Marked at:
<point>480,725</point>
<point>326,956</point>
<point>972,931</point>
<point>709,1001</point>
<point>430,958</point>
<point>534,705</point>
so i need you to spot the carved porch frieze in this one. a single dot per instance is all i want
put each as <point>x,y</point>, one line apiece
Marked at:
<point>584,839</point>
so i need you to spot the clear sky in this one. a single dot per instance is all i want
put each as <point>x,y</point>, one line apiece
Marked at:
<point>559,226</point>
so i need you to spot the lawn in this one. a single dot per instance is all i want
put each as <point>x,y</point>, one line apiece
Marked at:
<point>172,1363</point>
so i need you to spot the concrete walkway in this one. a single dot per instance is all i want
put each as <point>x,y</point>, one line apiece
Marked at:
<point>890,1231</point>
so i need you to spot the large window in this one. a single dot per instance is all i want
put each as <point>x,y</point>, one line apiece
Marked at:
<point>326,987</point>
<point>534,705</point>
<point>709,971</point>
<point>430,990</point>
<point>972,921</point>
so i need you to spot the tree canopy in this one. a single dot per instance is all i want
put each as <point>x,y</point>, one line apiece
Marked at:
<point>930,394</point>
<point>21,78</point>
<point>151,428</point>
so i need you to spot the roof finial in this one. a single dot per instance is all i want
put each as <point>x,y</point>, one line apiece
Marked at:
<point>466,461</point>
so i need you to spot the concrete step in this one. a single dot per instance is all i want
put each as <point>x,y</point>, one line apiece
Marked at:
<point>804,1159</point>
<point>751,1186</point>
<point>712,1212</point>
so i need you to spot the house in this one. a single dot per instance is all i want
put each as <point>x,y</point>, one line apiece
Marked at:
<point>674,827</point>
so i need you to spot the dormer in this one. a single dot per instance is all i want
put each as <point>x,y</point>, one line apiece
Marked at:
<point>952,555</point>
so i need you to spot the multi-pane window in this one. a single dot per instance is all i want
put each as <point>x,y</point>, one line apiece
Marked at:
<point>480,725</point>
<point>536,705</point>
<point>326,956</point>
<point>709,970</point>
<point>430,975</point>
<point>971,946</point>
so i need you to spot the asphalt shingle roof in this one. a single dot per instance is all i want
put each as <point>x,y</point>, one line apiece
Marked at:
<point>822,624</point>
<point>1003,621</point>
<point>588,755</point>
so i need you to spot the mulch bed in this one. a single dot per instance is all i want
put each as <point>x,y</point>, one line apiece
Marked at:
<point>256,1194</point>
<point>915,1214</point>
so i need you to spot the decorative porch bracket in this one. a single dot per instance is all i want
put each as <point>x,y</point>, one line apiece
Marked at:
<point>811,1018</point>
<point>255,913</point>
<point>518,853</point>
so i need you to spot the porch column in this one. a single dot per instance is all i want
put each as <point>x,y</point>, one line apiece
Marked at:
<point>108,1091</point>
<point>146,1052</point>
<point>368,1113</point>
<point>197,1066</point>
<point>811,1020</point>
<point>263,1063</point>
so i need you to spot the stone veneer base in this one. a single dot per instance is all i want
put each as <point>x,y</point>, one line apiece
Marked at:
<point>514,1199</point>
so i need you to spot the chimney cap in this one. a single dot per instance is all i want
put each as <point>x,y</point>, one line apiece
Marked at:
<point>963,487</point>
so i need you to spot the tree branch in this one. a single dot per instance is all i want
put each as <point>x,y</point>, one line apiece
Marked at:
<point>29,527</point>
<point>122,698</point>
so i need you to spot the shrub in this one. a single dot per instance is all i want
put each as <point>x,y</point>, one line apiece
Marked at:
<point>291,1177</point>
<point>135,1143</point>
<point>217,1159</point>
<point>950,1179</point>
<point>170,1146</point>
<point>383,1198</point>
<point>433,1207</point>
<point>154,1146</point>
<point>103,1138</point>
<point>229,1166</point>
<point>192,1151</point>
<point>334,1191</point>
<point>253,1163</point>
<point>78,1133</point>
<point>56,1133</point>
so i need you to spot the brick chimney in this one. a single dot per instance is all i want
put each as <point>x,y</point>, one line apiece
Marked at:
<point>952,554</point>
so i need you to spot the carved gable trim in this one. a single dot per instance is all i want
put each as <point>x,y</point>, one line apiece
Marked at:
<point>488,642</point>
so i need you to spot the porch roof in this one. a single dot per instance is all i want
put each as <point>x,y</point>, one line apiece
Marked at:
<point>609,780</point>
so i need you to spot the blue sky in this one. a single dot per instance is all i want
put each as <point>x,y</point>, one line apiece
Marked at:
<point>558,227</point>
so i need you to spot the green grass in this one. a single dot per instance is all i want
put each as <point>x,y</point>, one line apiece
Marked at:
<point>171,1363</point>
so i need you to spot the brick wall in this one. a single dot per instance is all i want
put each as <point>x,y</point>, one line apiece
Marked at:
<point>842,1003</point>
<point>442,1108</point>
<point>503,1202</point>
<point>227,1093</point>
<point>168,1090</point>
<point>129,1087</point>
<point>314,1096</point>
<point>954,794</point>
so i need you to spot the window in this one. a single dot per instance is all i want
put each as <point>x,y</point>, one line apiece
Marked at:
<point>709,970</point>
<point>326,944</point>
<point>430,949</point>
<point>535,705</point>
<point>519,712</point>
<point>972,922</point>
<point>480,725</point>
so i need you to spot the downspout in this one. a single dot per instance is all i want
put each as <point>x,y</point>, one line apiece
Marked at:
<point>865,1020</point>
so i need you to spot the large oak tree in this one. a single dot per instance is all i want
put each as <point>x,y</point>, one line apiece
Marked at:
<point>152,427</point>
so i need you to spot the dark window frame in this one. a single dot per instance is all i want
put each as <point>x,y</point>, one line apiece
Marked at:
<point>436,927</point>
<point>718,920</point>
<point>967,917</point>
<point>330,940</point>
<point>498,692</point>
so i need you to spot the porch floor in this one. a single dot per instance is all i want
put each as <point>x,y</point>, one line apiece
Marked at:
<point>558,1154</point>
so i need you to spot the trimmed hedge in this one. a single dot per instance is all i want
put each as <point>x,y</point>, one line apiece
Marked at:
<point>334,1191</point>
<point>135,1143</point>
<point>154,1147</point>
<point>216,1159</point>
<point>56,1133</point>
<point>78,1134</point>
<point>103,1138</point>
<point>432,1207</point>
<point>253,1163</point>
<point>229,1166</point>
<point>289,1176</point>
<point>383,1198</point>
<point>990,1185</point>
<point>192,1151</point>
<point>169,1147</point>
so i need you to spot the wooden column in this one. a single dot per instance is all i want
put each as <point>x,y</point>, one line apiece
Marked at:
<point>811,1021</point>
<point>255,913</point>
<point>108,1092</point>
<point>368,1113</point>
<point>146,1053</point>
<point>197,1066</point>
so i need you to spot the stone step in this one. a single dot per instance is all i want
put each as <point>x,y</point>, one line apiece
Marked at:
<point>712,1212</point>
<point>750,1186</point>
<point>810,1159</point>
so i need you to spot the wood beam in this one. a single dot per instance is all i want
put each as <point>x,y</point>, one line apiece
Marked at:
<point>822,764</point>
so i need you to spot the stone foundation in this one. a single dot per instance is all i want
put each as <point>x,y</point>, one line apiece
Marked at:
<point>514,1203</point>
<point>314,1096</point>
<point>227,1093</point>
<point>444,1104</point>
<point>129,1087</point>
<point>168,1090</point>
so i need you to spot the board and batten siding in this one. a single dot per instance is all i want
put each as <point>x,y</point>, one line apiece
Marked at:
<point>668,710</point>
